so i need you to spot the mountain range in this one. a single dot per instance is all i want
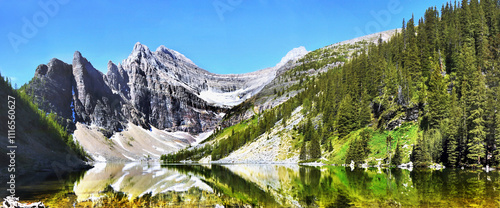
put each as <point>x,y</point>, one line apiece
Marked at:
<point>152,97</point>
<point>423,94</point>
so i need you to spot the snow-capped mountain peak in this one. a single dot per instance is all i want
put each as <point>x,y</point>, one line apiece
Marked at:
<point>174,54</point>
<point>294,54</point>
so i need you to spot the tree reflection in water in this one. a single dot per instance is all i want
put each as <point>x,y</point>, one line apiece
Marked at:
<point>281,186</point>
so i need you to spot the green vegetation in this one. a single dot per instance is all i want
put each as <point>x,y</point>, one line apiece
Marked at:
<point>42,120</point>
<point>245,185</point>
<point>439,82</point>
<point>368,146</point>
<point>358,149</point>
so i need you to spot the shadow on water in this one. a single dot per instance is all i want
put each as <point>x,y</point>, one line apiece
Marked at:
<point>44,186</point>
<point>46,182</point>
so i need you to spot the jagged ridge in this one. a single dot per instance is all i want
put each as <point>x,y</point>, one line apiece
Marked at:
<point>161,89</point>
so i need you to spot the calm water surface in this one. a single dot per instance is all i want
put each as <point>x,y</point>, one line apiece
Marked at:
<point>155,185</point>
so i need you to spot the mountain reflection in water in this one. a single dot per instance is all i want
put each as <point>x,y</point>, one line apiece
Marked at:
<point>178,185</point>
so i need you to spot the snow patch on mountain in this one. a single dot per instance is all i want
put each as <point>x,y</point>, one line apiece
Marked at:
<point>255,82</point>
<point>233,98</point>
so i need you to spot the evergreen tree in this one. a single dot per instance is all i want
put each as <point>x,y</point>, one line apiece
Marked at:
<point>324,135</point>
<point>397,159</point>
<point>437,97</point>
<point>358,149</point>
<point>453,133</point>
<point>496,153</point>
<point>308,130</point>
<point>477,133</point>
<point>474,99</point>
<point>434,144</point>
<point>346,119</point>
<point>412,63</point>
<point>315,148</point>
<point>364,110</point>
<point>481,30</point>
<point>303,152</point>
<point>421,156</point>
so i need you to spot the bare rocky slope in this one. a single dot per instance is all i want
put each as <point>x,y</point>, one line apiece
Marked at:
<point>278,144</point>
<point>267,98</point>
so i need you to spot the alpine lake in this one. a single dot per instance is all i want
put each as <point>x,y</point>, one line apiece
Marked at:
<point>260,185</point>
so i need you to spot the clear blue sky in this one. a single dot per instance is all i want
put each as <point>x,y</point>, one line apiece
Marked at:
<point>221,36</point>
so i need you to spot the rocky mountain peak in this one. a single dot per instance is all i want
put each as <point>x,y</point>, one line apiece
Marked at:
<point>110,64</point>
<point>57,67</point>
<point>174,54</point>
<point>41,70</point>
<point>77,56</point>
<point>138,47</point>
<point>139,52</point>
<point>52,86</point>
<point>112,69</point>
<point>79,62</point>
<point>294,55</point>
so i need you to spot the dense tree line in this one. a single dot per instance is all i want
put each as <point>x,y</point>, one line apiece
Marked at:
<point>446,67</point>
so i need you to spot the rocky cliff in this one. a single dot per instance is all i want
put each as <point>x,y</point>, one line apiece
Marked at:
<point>161,89</point>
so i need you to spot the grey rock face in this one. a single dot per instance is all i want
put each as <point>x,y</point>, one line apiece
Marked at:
<point>161,88</point>
<point>51,88</point>
<point>94,101</point>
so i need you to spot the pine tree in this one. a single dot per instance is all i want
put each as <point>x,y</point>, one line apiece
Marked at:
<point>428,40</point>
<point>346,117</point>
<point>481,30</point>
<point>496,153</point>
<point>421,155</point>
<point>473,89</point>
<point>303,152</point>
<point>324,135</point>
<point>358,149</point>
<point>315,148</point>
<point>437,97</point>
<point>454,130</point>
<point>477,133</point>
<point>397,159</point>
<point>434,141</point>
<point>412,63</point>
<point>364,110</point>
<point>308,130</point>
